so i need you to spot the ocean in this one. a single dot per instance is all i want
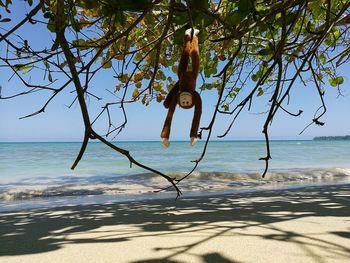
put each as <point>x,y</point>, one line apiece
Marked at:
<point>35,175</point>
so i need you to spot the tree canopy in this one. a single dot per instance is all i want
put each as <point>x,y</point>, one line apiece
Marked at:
<point>250,47</point>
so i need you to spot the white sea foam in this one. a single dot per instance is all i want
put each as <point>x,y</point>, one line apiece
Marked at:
<point>140,184</point>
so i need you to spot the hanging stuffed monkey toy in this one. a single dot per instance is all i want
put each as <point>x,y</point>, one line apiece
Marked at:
<point>184,93</point>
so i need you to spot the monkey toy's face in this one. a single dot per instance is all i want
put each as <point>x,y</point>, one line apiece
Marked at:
<point>187,85</point>
<point>185,100</point>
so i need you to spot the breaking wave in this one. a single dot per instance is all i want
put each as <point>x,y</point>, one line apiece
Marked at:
<point>146,183</point>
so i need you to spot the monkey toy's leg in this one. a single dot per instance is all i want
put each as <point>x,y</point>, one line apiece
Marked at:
<point>185,56</point>
<point>196,117</point>
<point>190,48</point>
<point>195,55</point>
<point>167,124</point>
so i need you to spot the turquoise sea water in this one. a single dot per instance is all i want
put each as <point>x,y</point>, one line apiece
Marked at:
<point>40,172</point>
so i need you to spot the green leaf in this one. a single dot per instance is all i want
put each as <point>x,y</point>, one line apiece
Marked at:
<point>266,51</point>
<point>340,80</point>
<point>159,97</point>
<point>202,36</point>
<point>323,58</point>
<point>88,4</point>
<point>134,5</point>
<point>319,76</point>
<point>328,71</point>
<point>255,77</point>
<point>118,87</point>
<point>289,19</point>
<point>213,70</point>
<point>202,20</point>
<point>51,25</point>
<point>210,70</point>
<point>47,15</point>
<point>232,95</point>
<point>138,56</point>
<point>334,82</point>
<point>179,36</point>
<point>79,42</point>
<point>260,92</point>
<point>245,6</point>
<point>75,25</point>
<point>135,93</point>
<point>315,8</point>
<point>121,5</point>
<point>21,67</point>
<point>206,86</point>
<point>225,106</point>
<point>120,18</point>
<point>180,15</point>
<point>236,17</point>
<point>237,89</point>
<point>50,77</point>
<point>46,64</point>
<point>107,64</point>
<point>144,100</point>
<point>199,4</point>
<point>174,69</point>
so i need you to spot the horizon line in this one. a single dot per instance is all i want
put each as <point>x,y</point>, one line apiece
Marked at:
<point>199,141</point>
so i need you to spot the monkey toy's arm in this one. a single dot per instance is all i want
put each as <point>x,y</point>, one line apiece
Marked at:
<point>196,117</point>
<point>167,124</point>
<point>173,92</point>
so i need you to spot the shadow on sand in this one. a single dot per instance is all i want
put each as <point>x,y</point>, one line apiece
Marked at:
<point>44,230</point>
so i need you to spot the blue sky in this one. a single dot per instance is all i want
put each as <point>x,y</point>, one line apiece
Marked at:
<point>59,123</point>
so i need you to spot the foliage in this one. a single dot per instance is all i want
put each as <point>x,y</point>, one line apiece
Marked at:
<point>251,47</point>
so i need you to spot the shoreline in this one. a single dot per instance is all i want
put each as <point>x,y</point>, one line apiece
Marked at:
<point>309,224</point>
<point>48,202</point>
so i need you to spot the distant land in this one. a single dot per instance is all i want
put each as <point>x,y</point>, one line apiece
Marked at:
<point>331,138</point>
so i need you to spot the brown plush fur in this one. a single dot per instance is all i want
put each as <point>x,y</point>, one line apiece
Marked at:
<point>186,83</point>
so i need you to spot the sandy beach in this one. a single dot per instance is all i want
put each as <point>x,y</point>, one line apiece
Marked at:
<point>309,224</point>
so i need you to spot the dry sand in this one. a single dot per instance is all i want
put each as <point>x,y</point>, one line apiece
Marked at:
<point>303,225</point>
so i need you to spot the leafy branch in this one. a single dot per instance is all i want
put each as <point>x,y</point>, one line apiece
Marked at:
<point>249,49</point>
